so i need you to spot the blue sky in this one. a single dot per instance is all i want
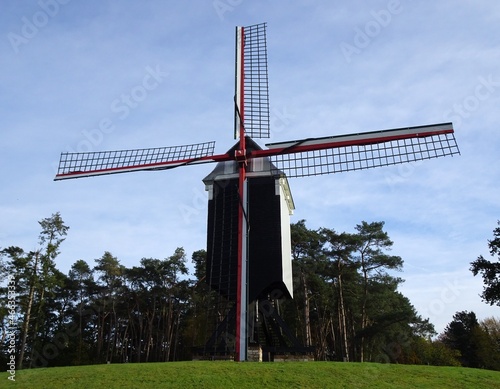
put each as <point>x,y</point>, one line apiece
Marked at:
<point>73,77</point>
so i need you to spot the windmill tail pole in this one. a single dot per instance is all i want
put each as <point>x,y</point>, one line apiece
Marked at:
<point>240,156</point>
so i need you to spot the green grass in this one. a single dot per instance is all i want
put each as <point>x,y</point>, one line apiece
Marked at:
<point>253,375</point>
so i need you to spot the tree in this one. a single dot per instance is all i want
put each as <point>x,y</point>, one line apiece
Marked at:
<point>373,261</point>
<point>156,305</point>
<point>492,326</point>
<point>477,347</point>
<point>202,301</point>
<point>110,276</point>
<point>339,249</point>
<point>346,298</point>
<point>38,271</point>
<point>306,250</point>
<point>490,270</point>
<point>477,343</point>
<point>81,283</point>
<point>488,337</point>
<point>428,352</point>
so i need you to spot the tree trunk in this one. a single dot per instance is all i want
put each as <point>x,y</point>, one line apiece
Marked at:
<point>307,320</point>
<point>124,344</point>
<point>80,330</point>
<point>334,335</point>
<point>169,331</point>
<point>27,317</point>
<point>342,322</point>
<point>176,335</point>
<point>101,320</point>
<point>37,322</point>
<point>323,335</point>
<point>364,317</point>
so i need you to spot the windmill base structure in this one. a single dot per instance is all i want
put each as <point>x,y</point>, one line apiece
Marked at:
<point>269,205</point>
<point>248,227</point>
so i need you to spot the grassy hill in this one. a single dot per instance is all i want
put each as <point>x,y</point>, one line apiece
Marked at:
<point>253,375</point>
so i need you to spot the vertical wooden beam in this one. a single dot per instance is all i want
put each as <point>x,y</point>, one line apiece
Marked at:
<point>241,286</point>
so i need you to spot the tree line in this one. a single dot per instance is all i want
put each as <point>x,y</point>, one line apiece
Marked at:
<point>346,305</point>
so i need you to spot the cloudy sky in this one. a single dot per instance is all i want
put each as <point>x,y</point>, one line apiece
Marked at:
<point>71,76</point>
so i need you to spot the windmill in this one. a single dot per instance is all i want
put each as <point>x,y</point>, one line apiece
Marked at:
<point>242,186</point>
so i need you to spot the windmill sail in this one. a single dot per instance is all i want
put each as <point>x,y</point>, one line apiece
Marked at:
<point>335,154</point>
<point>252,89</point>
<point>76,165</point>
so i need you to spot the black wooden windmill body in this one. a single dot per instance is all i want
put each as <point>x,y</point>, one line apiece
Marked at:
<point>248,230</point>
